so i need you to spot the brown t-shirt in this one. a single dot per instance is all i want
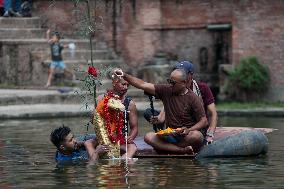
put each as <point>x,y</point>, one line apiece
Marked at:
<point>182,110</point>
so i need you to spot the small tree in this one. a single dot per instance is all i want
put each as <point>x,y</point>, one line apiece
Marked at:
<point>249,80</point>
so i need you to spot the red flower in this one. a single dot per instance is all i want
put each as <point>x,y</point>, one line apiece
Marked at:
<point>92,71</point>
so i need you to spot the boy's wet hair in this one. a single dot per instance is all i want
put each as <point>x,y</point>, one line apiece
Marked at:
<point>58,135</point>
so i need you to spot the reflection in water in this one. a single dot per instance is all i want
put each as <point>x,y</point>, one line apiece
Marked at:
<point>237,171</point>
<point>112,174</point>
<point>183,173</point>
<point>3,171</point>
<point>103,174</point>
<point>27,161</point>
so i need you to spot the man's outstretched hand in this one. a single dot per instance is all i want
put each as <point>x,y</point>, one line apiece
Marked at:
<point>117,72</point>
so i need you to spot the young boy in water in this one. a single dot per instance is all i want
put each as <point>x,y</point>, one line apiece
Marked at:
<point>68,148</point>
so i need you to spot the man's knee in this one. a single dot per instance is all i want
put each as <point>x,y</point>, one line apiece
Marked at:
<point>149,137</point>
<point>196,136</point>
<point>196,140</point>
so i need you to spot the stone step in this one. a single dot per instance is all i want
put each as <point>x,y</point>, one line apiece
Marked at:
<point>24,22</point>
<point>68,54</point>
<point>85,44</point>
<point>56,95</point>
<point>40,51</point>
<point>35,111</point>
<point>86,54</point>
<point>31,111</point>
<point>81,63</point>
<point>41,43</point>
<point>21,33</point>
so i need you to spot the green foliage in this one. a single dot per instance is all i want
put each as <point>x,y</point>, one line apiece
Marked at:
<point>249,77</point>
<point>88,87</point>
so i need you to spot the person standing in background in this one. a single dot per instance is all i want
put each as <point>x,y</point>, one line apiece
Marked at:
<point>1,7</point>
<point>56,55</point>
<point>12,8</point>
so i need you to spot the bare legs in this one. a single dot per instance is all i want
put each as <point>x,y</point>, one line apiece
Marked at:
<point>50,74</point>
<point>190,144</point>
<point>131,149</point>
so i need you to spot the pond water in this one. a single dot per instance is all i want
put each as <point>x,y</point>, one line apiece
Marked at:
<point>27,161</point>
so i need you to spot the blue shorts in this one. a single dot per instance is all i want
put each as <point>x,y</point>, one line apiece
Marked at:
<point>58,64</point>
<point>172,138</point>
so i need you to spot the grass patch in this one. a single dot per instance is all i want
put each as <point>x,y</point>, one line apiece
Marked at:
<point>249,105</point>
<point>8,86</point>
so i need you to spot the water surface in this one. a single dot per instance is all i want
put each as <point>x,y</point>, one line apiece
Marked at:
<point>27,161</point>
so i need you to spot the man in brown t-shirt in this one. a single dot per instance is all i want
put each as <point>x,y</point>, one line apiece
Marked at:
<point>202,90</point>
<point>183,110</point>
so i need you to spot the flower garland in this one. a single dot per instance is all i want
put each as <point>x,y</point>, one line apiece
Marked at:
<point>113,126</point>
<point>92,71</point>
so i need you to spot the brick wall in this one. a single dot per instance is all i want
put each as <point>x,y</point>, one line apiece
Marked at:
<point>138,30</point>
<point>180,27</point>
<point>258,30</point>
<point>64,17</point>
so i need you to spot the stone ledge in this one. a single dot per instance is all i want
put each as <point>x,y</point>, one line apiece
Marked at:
<point>37,111</point>
<point>56,95</point>
<point>268,112</point>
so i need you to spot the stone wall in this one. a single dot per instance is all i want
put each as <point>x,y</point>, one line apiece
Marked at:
<point>21,63</point>
<point>59,15</point>
<point>138,30</point>
<point>181,28</point>
<point>258,30</point>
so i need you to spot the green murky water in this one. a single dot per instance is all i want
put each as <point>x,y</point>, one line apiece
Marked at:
<point>26,161</point>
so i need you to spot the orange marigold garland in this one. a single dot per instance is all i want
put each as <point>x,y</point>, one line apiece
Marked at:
<point>114,120</point>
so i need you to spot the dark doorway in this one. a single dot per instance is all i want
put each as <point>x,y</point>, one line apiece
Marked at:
<point>221,54</point>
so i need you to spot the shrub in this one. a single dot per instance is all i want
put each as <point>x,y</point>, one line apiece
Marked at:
<point>249,79</point>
